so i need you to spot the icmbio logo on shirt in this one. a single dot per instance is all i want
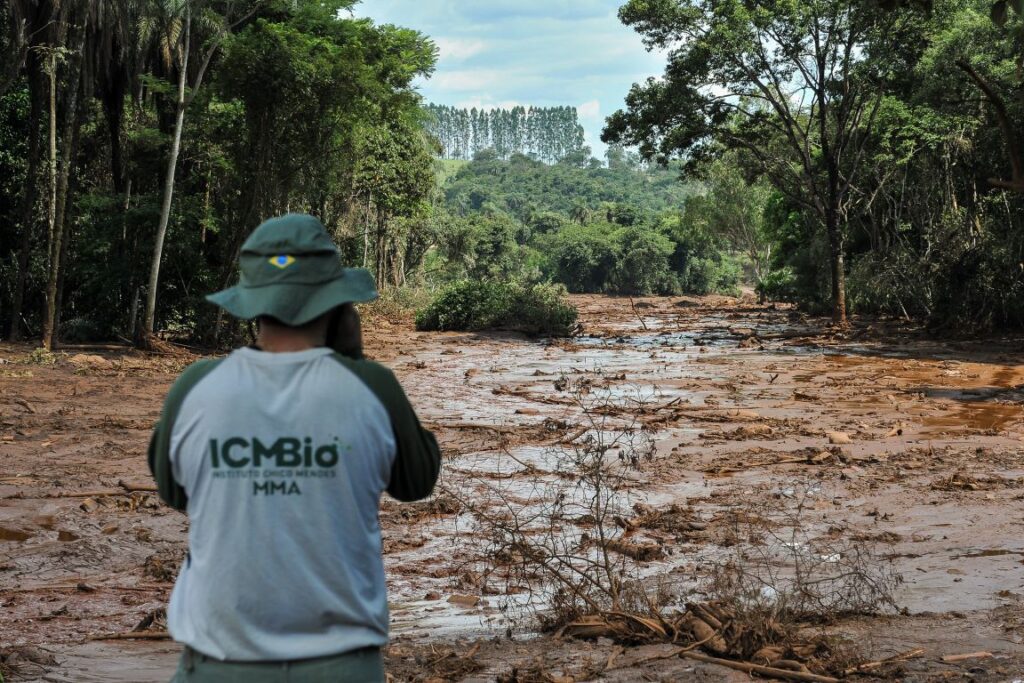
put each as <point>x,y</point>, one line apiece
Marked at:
<point>238,452</point>
<point>274,468</point>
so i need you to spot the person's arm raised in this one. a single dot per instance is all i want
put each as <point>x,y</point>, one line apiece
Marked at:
<point>418,457</point>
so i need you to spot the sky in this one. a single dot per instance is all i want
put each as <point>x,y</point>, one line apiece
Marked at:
<point>502,53</point>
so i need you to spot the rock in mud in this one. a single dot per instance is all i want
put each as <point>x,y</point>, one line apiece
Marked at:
<point>839,438</point>
<point>465,600</point>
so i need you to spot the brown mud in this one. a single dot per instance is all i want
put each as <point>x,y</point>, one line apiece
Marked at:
<point>895,437</point>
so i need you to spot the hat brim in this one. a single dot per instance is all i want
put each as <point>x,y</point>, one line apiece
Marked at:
<point>296,304</point>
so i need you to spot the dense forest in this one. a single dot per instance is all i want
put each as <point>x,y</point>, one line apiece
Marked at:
<point>546,133</point>
<point>140,142</point>
<point>846,156</point>
<point>620,228</point>
<point>875,139</point>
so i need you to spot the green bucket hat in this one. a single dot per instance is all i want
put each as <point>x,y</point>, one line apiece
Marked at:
<point>291,270</point>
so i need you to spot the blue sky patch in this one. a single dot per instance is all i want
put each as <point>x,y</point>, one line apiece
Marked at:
<point>502,53</point>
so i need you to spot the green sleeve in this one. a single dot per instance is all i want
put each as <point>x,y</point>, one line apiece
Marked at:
<point>159,456</point>
<point>418,459</point>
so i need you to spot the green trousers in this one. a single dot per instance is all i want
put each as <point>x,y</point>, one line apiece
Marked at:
<point>360,666</point>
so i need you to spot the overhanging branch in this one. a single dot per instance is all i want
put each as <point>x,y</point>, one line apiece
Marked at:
<point>1003,119</point>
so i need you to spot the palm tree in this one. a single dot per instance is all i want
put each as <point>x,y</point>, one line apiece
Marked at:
<point>580,214</point>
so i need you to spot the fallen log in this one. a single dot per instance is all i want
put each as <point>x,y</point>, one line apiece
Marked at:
<point>950,659</point>
<point>126,487</point>
<point>133,635</point>
<point>88,588</point>
<point>868,666</point>
<point>136,486</point>
<point>569,438</point>
<point>767,671</point>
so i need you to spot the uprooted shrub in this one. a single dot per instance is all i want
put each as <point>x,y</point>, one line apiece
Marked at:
<point>473,305</point>
<point>554,531</point>
<point>782,576</point>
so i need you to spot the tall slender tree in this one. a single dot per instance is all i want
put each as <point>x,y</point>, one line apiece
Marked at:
<point>180,20</point>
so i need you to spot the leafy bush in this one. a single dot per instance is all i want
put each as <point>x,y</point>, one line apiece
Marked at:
<point>642,266</point>
<point>718,273</point>
<point>778,285</point>
<point>471,305</point>
<point>398,302</point>
<point>603,257</point>
<point>482,246</point>
<point>700,261</point>
<point>581,257</point>
<point>41,356</point>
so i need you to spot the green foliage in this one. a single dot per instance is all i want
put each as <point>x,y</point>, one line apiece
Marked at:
<point>602,257</point>
<point>525,189</point>
<point>472,305</point>
<point>581,257</point>
<point>700,260</point>
<point>778,285</point>
<point>306,108</point>
<point>643,265</point>
<point>800,254</point>
<point>41,356</point>
<point>733,212</point>
<point>590,229</point>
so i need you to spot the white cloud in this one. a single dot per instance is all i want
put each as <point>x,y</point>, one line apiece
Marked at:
<point>590,110</point>
<point>459,49</point>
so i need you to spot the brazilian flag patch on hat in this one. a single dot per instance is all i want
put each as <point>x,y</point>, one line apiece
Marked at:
<point>282,261</point>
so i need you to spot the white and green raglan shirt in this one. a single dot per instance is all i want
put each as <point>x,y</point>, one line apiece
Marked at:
<point>280,460</point>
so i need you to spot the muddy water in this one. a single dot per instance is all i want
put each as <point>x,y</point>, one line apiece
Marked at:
<point>725,392</point>
<point>915,413</point>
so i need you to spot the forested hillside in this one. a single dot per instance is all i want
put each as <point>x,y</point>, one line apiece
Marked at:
<point>619,228</point>
<point>546,133</point>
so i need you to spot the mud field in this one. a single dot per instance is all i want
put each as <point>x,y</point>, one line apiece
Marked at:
<point>880,436</point>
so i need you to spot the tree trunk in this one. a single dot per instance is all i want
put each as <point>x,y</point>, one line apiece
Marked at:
<point>53,245</point>
<point>51,209</point>
<point>28,223</point>
<point>113,105</point>
<point>149,320</point>
<point>59,189</point>
<point>835,240</point>
<point>64,224</point>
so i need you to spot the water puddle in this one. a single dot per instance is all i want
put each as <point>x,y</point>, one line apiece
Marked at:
<point>975,416</point>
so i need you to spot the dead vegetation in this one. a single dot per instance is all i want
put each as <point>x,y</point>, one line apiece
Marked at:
<point>575,543</point>
<point>433,665</point>
<point>558,536</point>
<point>23,662</point>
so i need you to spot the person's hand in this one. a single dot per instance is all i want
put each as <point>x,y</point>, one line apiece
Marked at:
<point>345,333</point>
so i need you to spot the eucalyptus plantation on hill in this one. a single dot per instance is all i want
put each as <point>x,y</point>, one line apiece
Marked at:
<point>546,133</point>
